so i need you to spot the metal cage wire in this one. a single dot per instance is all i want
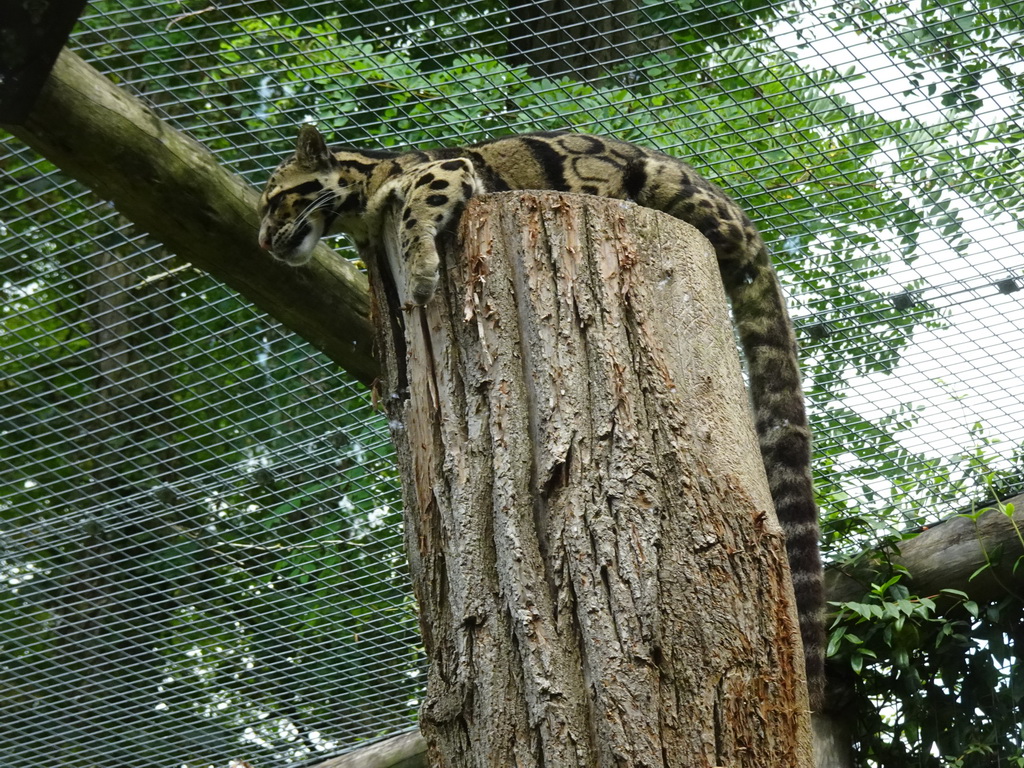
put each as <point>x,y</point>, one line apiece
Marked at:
<point>201,533</point>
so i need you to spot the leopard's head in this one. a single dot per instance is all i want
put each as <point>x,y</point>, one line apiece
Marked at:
<point>305,197</point>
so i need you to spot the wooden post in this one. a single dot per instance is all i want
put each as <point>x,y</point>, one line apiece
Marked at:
<point>600,575</point>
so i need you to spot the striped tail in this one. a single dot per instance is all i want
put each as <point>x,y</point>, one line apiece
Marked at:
<point>767,337</point>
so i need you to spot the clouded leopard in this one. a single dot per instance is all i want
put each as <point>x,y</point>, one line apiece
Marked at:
<point>319,190</point>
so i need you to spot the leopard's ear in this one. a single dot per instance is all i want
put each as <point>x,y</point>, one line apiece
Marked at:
<point>311,151</point>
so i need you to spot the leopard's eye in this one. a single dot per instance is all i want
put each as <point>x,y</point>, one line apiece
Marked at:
<point>271,202</point>
<point>305,188</point>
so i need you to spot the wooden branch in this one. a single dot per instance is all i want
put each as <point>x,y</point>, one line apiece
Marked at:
<point>172,187</point>
<point>945,556</point>
<point>408,750</point>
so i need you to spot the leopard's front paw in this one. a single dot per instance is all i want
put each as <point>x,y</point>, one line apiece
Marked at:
<point>422,288</point>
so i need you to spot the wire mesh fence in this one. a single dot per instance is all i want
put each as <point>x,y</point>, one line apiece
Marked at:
<point>201,548</point>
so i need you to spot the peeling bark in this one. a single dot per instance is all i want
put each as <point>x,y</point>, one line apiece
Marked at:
<point>601,578</point>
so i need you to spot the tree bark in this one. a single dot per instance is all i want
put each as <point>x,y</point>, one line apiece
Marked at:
<point>600,575</point>
<point>171,186</point>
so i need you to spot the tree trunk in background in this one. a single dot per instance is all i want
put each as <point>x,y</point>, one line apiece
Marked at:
<point>600,576</point>
<point>110,608</point>
<point>559,38</point>
<point>127,443</point>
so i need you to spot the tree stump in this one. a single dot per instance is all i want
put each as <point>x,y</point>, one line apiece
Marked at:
<point>600,575</point>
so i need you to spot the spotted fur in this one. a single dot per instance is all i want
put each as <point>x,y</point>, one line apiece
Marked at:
<point>320,190</point>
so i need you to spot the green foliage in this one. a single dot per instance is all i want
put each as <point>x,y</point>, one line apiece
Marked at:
<point>933,688</point>
<point>937,678</point>
<point>931,38</point>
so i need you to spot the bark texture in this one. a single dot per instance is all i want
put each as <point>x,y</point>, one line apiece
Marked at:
<point>601,578</point>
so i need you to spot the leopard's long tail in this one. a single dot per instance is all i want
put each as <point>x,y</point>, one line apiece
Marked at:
<point>766,334</point>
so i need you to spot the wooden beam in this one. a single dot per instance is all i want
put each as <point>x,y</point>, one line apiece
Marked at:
<point>946,556</point>
<point>33,34</point>
<point>172,187</point>
<point>408,750</point>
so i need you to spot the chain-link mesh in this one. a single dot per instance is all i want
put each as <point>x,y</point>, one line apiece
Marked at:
<point>201,551</point>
